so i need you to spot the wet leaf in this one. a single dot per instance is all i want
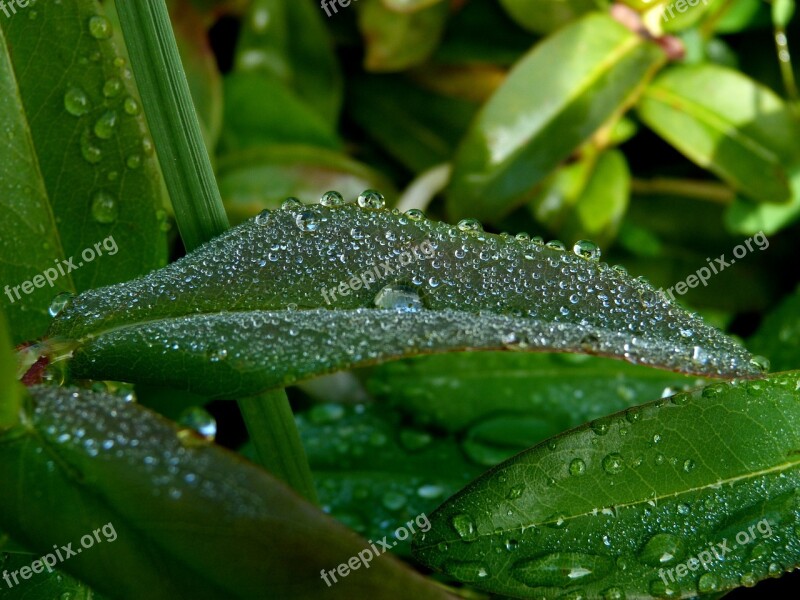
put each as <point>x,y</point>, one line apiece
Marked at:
<point>545,16</point>
<point>544,111</point>
<point>282,297</point>
<point>168,505</point>
<point>623,504</point>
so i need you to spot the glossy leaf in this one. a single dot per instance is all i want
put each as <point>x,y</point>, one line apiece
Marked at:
<point>545,110</point>
<point>561,391</point>
<point>278,299</point>
<point>263,177</point>
<point>778,338</point>
<point>545,16</point>
<point>621,506</point>
<point>306,63</point>
<point>72,105</point>
<point>175,503</point>
<point>729,124</point>
<point>43,586</point>
<point>10,392</point>
<point>396,41</point>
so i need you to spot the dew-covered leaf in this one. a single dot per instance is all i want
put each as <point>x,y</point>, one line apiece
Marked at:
<point>310,289</point>
<point>560,391</point>
<point>42,586</point>
<point>74,163</point>
<point>562,91</point>
<point>180,517</point>
<point>729,124</point>
<point>621,506</point>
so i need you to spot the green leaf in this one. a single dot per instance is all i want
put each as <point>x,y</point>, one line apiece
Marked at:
<point>545,110</point>
<point>281,298</point>
<point>263,177</point>
<point>172,509</point>
<point>60,171</point>
<point>417,127</point>
<point>10,391</point>
<point>454,391</point>
<point>727,123</point>
<point>586,199</point>
<point>285,119</point>
<point>373,473</point>
<point>44,586</point>
<point>306,63</point>
<point>620,504</point>
<point>778,338</point>
<point>396,41</point>
<point>545,16</point>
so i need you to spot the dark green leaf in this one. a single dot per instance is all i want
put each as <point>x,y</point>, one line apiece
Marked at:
<point>544,111</point>
<point>545,16</point>
<point>169,504</point>
<point>778,338</point>
<point>281,298</point>
<point>616,507</point>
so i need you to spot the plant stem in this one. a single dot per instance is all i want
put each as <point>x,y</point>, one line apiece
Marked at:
<point>173,121</point>
<point>271,425</point>
<point>198,207</point>
<point>688,188</point>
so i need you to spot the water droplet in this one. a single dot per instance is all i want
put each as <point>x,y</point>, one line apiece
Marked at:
<point>661,590</point>
<point>577,467</point>
<point>515,492</point>
<point>662,550</point>
<point>586,249</point>
<point>200,420</point>
<point>399,297</point>
<point>512,545</point>
<point>556,245</point>
<point>415,214</point>
<point>59,303</point>
<point>263,217</point>
<point>100,27</point>
<point>466,570</point>
<point>708,582</point>
<point>430,491</point>
<point>104,208</point>
<point>561,569</point>
<point>613,593</point>
<point>371,199</point>
<point>112,87</point>
<point>613,463</point>
<point>331,199</point>
<point>105,125</point>
<point>469,225</point>
<point>291,203</point>
<point>308,221</point>
<point>761,363</point>
<point>325,413</point>
<point>131,106</point>
<point>76,102</point>
<point>92,154</point>
<point>688,465</point>
<point>394,500</point>
<point>465,527</point>
<point>600,427</point>
<point>134,161</point>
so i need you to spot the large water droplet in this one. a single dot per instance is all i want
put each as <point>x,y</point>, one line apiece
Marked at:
<point>371,199</point>
<point>761,363</point>
<point>112,87</point>
<point>469,225</point>
<point>467,570</point>
<point>131,106</point>
<point>465,527</point>
<point>586,249</point>
<point>331,198</point>
<point>415,214</point>
<point>77,102</point>
<point>200,420</point>
<point>562,569</point>
<point>399,297</point>
<point>100,27</point>
<point>308,221</point>
<point>613,463</point>
<point>577,467</point>
<point>104,208</point>
<point>105,125</point>
<point>59,303</point>
<point>662,550</point>
<point>707,583</point>
<point>291,203</point>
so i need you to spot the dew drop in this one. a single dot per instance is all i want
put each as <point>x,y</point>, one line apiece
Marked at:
<point>76,102</point>
<point>331,199</point>
<point>465,527</point>
<point>586,249</point>
<point>134,161</point>
<point>466,570</point>
<point>402,298</point>
<point>515,492</point>
<point>131,106</point>
<point>662,550</point>
<point>308,221</point>
<point>263,217</point>
<point>291,203</point>
<point>105,208</point>
<point>707,583</point>
<point>561,569</point>
<point>577,467</point>
<point>613,463</point>
<point>556,245</point>
<point>112,87</point>
<point>59,303</point>
<point>105,125</point>
<point>200,420</point>
<point>761,363</point>
<point>371,199</point>
<point>100,27</point>
<point>394,500</point>
<point>469,225</point>
<point>415,214</point>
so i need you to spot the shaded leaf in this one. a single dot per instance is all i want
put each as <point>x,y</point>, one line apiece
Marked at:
<point>545,110</point>
<point>620,504</point>
<point>175,504</point>
<point>454,391</point>
<point>281,298</point>
<point>778,338</point>
<point>727,123</point>
<point>545,16</point>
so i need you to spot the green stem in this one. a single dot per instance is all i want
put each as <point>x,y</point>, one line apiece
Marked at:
<point>272,428</point>
<point>688,188</point>
<point>198,207</point>
<point>173,121</point>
